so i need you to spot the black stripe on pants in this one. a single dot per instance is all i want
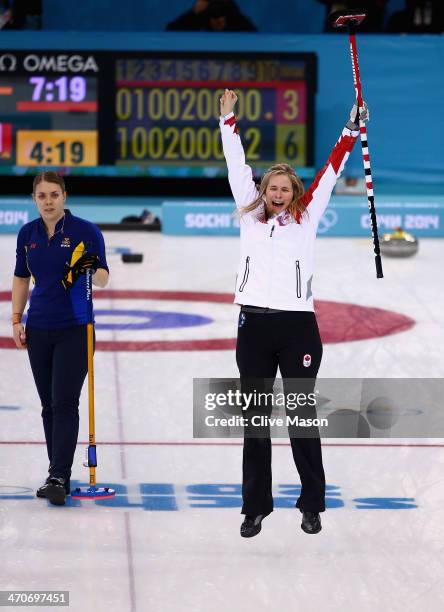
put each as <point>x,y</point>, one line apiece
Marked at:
<point>264,343</point>
<point>59,364</point>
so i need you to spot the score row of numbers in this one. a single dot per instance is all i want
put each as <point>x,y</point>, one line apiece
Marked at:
<point>188,70</point>
<point>282,105</point>
<point>202,144</point>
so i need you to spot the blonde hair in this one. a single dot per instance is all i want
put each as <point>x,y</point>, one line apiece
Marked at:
<point>296,207</point>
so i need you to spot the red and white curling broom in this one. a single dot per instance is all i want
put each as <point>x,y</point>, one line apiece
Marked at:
<point>351,19</point>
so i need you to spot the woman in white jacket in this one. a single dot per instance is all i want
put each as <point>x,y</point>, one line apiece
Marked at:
<point>277,323</point>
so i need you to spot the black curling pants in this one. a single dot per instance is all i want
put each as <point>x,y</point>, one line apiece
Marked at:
<point>59,364</point>
<point>291,341</point>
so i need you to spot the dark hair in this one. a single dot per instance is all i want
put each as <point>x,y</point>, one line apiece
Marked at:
<point>50,177</point>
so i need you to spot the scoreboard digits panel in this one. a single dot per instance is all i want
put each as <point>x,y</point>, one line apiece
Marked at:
<point>167,111</point>
<point>152,114</point>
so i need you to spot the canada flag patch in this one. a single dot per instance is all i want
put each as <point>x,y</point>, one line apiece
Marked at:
<point>307,361</point>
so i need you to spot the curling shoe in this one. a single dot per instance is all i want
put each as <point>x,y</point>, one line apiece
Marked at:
<point>54,489</point>
<point>311,522</point>
<point>41,491</point>
<point>251,526</point>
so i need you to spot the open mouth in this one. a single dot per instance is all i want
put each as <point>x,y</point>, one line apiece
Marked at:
<point>277,203</point>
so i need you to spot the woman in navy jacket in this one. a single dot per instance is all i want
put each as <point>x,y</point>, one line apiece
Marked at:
<point>56,251</point>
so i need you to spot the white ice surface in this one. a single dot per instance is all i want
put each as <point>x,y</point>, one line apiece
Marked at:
<point>192,559</point>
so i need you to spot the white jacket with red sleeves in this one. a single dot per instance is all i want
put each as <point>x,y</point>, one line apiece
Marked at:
<point>276,255</point>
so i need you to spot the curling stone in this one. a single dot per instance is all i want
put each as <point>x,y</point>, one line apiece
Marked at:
<point>399,244</point>
<point>132,257</point>
<point>381,413</point>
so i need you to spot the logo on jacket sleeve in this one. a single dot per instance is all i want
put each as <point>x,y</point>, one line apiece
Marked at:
<point>307,361</point>
<point>65,242</point>
<point>242,319</point>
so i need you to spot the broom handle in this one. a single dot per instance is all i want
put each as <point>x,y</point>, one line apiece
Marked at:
<point>92,432</point>
<point>365,154</point>
<point>90,348</point>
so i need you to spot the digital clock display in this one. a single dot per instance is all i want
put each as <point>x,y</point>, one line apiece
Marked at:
<point>57,148</point>
<point>61,89</point>
<point>48,112</point>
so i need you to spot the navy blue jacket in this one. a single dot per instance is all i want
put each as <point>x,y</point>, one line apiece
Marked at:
<point>51,306</point>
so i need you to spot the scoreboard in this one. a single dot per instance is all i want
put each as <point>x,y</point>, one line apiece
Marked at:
<point>152,114</point>
<point>48,111</point>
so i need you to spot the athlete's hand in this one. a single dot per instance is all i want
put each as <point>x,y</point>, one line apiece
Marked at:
<point>18,333</point>
<point>353,123</point>
<point>88,261</point>
<point>227,102</point>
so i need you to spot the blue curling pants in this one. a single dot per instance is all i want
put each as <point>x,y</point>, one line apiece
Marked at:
<point>59,364</point>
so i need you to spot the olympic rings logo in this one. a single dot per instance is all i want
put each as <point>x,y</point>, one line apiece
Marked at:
<point>327,221</point>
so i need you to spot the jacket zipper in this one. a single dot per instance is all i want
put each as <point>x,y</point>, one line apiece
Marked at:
<point>27,260</point>
<point>298,279</point>
<point>27,263</point>
<point>270,280</point>
<point>246,274</point>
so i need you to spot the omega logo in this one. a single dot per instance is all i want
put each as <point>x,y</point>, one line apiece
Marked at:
<point>49,63</point>
<point>8,63</point>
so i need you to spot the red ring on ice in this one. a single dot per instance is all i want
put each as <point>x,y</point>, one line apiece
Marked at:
<point>337,322</point>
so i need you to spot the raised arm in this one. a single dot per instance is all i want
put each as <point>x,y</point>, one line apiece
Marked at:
<point>316,198</point>
<point>240,176</point>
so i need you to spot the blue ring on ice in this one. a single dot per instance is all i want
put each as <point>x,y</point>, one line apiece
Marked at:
<point>153,319</point>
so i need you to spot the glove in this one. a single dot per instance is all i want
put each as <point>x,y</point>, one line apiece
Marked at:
<point>353,122</point>
<point>88,261</point>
